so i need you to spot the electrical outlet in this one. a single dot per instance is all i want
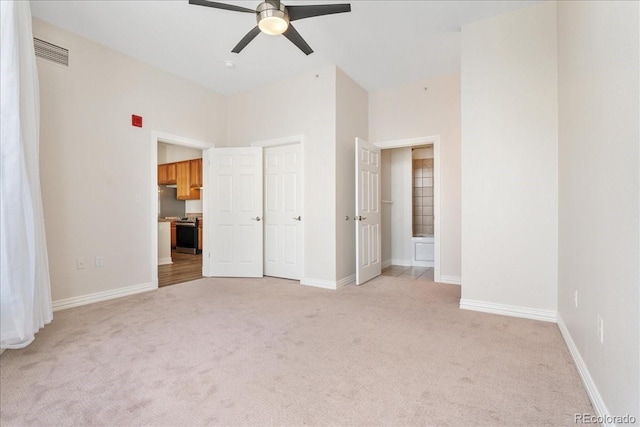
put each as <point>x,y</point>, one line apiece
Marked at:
<point>575,298</point>
<point>80,265</point>
<point>601,329</point>
<point>99,261</point>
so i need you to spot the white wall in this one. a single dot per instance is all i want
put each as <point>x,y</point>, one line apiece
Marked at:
<point>303,105</point>
<point>352,108</point>
<point>599,188</point>
<point>162,153</point>
<point>410,111</point>
<point>170,153</point>
<point>510,160</point>
<point>95,166</point>
<point>423,152</point>
<point>193,207</point>
<point>402,207</point>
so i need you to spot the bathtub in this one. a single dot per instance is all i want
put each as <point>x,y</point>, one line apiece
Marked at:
<point>422,250</point>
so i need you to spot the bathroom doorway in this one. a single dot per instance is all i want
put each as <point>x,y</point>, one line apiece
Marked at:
<point>422,238</point>
<point>410,206</point>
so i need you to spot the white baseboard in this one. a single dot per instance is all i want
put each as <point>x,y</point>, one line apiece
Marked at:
<point>428,264</point>
<point>594,395</point>
<point>386,264</point>
<point>345,281</point>
<point>319,283</point>
<point>63,304</point>
<point>451,280</point>
<point>401,262</point>
<point>509,310</point>
<point>165,261</point>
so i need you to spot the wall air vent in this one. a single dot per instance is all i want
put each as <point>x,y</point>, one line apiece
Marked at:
<point>51,52</point>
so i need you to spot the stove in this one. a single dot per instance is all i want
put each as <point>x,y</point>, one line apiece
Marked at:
<point>186,220</point>
<point>187,235</point>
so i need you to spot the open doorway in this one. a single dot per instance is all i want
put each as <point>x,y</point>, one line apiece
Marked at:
<point>410,206</point>
<point>178,214</point>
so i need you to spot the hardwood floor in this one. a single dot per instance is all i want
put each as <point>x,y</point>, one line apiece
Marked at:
<point>185,267</point>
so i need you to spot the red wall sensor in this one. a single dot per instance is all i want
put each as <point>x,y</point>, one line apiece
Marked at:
<point>136,121</point>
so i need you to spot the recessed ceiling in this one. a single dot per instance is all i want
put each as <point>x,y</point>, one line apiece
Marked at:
<point>379,43</point>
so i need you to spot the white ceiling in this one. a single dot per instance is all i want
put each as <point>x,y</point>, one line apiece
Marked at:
<point>379,44</point>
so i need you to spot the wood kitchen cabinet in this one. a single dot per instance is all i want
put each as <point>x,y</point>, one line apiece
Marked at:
<point>167,174</point>
<point>171,173</point>
<point>195,173</point>
<point>183,174</point>
<point>162,174</point>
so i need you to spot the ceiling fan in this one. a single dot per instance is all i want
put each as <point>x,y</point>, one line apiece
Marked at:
<point>274,18</point>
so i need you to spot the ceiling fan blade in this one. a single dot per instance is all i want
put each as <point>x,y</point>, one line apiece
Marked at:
<point>294,36</point>
<point>301,12</point>
<point>246,39</point>
<point>224,6</point>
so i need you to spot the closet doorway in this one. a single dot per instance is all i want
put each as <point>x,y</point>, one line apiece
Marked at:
<point>256,206</point>
<point>283,200</point>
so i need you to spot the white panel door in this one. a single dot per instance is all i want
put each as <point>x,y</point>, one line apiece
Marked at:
<point>367,211</point>
<point>283,229</point>
<point>235,207</point>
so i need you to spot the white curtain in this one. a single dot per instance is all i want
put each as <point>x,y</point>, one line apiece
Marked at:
<point>25,292</point>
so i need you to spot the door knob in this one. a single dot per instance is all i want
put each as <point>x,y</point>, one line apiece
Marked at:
<point>298,218</point>
<point>256,218</point>
<point>359,218</point>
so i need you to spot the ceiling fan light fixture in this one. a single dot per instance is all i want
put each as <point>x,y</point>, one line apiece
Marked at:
<point>272,21</point>
<point>273,18</point>
<point>273,25</point>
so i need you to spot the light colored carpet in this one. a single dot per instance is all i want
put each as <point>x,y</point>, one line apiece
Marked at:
<point>271,352</point>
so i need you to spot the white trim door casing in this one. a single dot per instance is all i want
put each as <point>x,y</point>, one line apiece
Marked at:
<point>283,239</point>
<point>235,208</point>
<point>368,221</point>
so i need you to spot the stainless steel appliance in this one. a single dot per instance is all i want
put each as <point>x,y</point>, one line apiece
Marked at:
<point>187,235</point>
